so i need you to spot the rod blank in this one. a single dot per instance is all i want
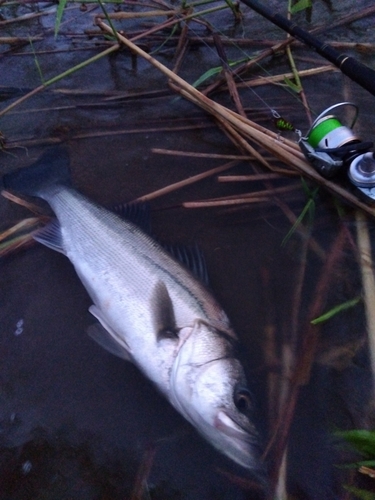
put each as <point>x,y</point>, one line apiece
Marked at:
<point>356,71</point>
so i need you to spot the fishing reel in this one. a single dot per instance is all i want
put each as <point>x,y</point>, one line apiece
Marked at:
<point>332,147</point>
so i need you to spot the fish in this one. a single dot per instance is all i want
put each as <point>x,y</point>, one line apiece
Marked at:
<point>150,308</point>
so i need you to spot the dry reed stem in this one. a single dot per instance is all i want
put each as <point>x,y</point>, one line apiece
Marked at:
<point>183,43</point>
<point>246,66</point>
<point>228,74</point>
<point>368,282</point>
<point>265,80</point>
<point>17,243</point>
<point>279,172</point>
<point>249,178</point>
<point>240,142</point>
<point>27,17</point>
<point>266,193</point>
<point>10,40</point>
<point>186,182</point>
<point>225,203</point>
<point>167,24</point>
<point>20,226</point>
<point>193,154</point>
<point>19,201</point>
<point>137,15</point>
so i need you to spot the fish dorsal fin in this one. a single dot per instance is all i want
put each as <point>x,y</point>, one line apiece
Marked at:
<point>50,236</point>
<point>163,315</point>
<point>106,337</point>
<point>136,212</point>
<point>192,258</point>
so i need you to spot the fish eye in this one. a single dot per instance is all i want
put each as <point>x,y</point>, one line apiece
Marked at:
<point>242,400</point>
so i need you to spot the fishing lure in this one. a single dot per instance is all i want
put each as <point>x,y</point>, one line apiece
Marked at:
<point>282,124</point>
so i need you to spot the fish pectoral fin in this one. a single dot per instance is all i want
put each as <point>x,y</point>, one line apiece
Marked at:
<point>98,333</point>
<point>163,314</point>
<point>51,236</point>
<point>106,337</point>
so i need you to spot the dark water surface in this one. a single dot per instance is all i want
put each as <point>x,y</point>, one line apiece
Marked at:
<point>76,422</point>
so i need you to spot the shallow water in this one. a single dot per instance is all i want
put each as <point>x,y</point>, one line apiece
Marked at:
<point>76,422</point>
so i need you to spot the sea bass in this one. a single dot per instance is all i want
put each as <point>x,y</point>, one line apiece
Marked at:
<point>151,309</point>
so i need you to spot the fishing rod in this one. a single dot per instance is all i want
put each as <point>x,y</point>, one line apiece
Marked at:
<point>356,71</point>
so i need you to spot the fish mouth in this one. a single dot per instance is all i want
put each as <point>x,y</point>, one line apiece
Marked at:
<point>230,427</point>
<point>239,438</point>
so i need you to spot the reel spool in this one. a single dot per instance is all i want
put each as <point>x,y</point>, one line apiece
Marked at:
<point>331,146</point>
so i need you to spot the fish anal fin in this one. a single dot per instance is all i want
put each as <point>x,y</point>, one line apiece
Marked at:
<point>51,236</point>
<point>106,337</point>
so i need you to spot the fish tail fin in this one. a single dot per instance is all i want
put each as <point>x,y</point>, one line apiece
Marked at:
<point>51,169</point>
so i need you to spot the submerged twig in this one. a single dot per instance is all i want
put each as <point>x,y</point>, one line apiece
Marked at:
<point>20,201</point>
<point>306,356</point>
<point>27,17</point>
<point>228,75</point>
<point>143,474</point>
<point>186,182</point>
<point>23,225</point>
<point>55,79</point>
<point>137,15</point>
<point>368,282</point>
<point>193,154</point>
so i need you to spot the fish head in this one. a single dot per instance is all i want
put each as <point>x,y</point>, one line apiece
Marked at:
<point>209,389</point>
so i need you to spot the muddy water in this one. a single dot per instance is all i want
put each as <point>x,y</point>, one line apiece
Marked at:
<point>75,421</point>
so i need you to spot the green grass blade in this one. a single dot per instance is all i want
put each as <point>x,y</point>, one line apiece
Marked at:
<point>207,75</point>
<point>214,71</point>
<point>36,61</point>
<point>335,310</point>
<point>300,218</point>
<point>108,19</point>
<point>293,86</point>
<point>361,494</point>
<point>300,5</point>
<point>59,14</point>
<point>361,439</point>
